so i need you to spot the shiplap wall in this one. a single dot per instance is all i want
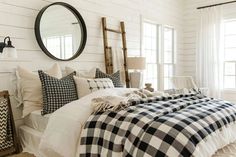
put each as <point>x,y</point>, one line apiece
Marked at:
<point>190,32</point>
<point>17,19</point>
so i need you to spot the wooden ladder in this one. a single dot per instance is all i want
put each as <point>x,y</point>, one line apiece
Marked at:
<point>108,49</point>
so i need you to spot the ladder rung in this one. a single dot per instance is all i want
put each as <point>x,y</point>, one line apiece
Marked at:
<point>112,30</point>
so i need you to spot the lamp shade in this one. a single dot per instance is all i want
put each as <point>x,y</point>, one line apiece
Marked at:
<point>136,63</point>
<point>9,52</point>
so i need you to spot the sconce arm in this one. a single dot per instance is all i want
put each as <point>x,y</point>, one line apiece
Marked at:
<point>9,39</point>
<point>3,44</point>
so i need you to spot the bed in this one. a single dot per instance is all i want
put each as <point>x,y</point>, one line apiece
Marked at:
<point>31,132</point>
<point>74,131</point>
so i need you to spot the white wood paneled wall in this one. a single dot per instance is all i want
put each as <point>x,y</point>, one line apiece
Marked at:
<point>190,32</point>
<point>17,19</point>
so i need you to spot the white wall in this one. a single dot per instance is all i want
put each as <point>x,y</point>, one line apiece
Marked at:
<point>190,31</point>
<point>18,16</point>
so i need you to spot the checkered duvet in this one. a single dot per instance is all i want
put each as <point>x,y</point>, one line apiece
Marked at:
<point>160,126</point>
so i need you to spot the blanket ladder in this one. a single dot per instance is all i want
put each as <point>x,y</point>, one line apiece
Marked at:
<point>108,49</point>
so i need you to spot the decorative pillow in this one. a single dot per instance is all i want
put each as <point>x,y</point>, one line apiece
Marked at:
<point>182,91</point>
<point>57,92</point>
<point>30,88</point>
<point>174,91</point>
<point>115,77</point>
<point>87,86</point>
<point>85,74</point>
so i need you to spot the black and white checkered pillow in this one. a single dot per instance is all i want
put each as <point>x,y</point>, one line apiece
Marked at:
<point>115,77</point>
<point>57,92</point>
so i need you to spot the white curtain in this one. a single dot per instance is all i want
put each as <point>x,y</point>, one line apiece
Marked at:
<point>209,54</point>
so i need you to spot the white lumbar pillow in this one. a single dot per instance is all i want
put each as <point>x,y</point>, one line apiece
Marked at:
<point>86,86</point>
<point>31,88</point>
<point>85,74</point>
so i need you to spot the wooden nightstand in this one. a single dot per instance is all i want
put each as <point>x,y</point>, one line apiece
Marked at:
<point>8,139</point>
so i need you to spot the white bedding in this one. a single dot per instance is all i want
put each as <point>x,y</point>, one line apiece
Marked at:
<point>30,139</point>
<point>62,135</point>
<point>36,121</point>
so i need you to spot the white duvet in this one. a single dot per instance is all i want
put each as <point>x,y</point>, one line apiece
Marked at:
<point>62,135</point>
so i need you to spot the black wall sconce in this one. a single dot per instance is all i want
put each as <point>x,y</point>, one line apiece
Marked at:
<point>7,49</point>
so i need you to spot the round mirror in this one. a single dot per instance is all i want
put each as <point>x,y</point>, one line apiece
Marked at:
<point>60,31</point>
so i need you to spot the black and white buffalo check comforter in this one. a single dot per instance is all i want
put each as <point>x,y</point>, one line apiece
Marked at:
<point>160,126</point>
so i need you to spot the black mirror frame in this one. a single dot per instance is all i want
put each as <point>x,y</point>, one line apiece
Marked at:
<point>81,22</point>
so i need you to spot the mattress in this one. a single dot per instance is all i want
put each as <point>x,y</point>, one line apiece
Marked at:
<point>36,121</point>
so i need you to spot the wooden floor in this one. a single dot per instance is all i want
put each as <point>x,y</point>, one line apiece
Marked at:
<point>22,155</point>
<point>227,151</point>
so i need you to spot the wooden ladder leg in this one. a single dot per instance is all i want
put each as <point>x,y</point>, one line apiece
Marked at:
<point>107,50</point>
<point>109,60</point>
<point>122,25</point>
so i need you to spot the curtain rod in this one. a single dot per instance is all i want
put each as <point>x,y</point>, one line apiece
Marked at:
<point>213,5</point>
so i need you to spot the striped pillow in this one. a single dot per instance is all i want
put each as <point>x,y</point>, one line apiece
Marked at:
<point>115,77</point>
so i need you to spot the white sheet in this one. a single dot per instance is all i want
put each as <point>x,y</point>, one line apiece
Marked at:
<point>62,135</point>
<point>30,139</point>
<point>36,121</point>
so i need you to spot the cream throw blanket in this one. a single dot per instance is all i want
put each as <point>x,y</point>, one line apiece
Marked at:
<point>112,103</point>
<point>115,103</point>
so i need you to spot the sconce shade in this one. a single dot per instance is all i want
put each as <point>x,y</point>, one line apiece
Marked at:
<point>136,63</point>
<point>7,50</point>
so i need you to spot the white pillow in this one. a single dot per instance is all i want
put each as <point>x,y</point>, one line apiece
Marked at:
<point>31,88</point>
<point>86,86</point>
<point>86,74</point>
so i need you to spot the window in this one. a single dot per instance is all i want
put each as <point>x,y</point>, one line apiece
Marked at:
<point>230,54</point>
<point>60,46</point>
<point>53,45</point>
<point>168,56</point>
<point>150,39</point>
<point>160,61</point>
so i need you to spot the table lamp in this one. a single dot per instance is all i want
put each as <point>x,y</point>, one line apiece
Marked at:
<point>137,64</point>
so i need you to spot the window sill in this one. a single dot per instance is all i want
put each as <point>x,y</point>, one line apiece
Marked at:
<point>229,91</point>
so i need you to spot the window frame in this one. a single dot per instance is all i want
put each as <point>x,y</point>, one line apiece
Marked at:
<point>160,51</point>
<point>158,48</point>
<point>173,63</point>
<point>62,41</point>
<point>225,61</point>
